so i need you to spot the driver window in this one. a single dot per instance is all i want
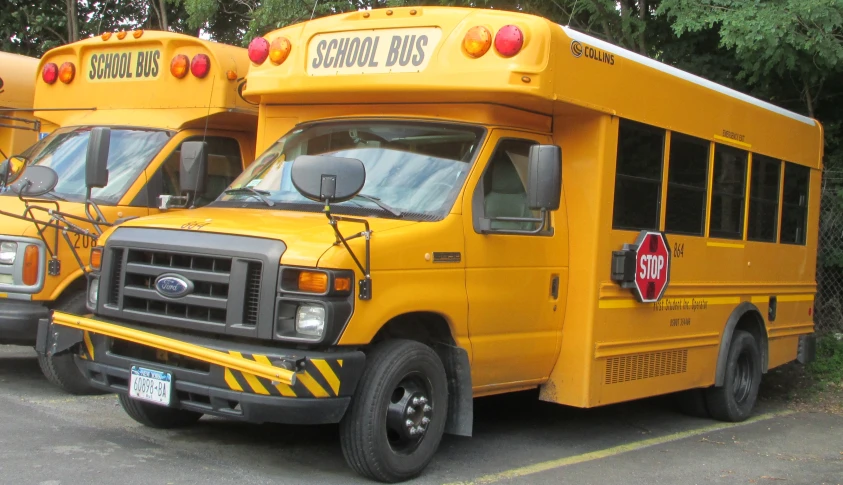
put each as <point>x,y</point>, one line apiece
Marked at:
<point>503,186</point>
<point>224,165</point>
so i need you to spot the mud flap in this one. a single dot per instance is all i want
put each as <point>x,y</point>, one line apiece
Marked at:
<point>55,339</point>
<point>807,350</point>
<point>460,395</point>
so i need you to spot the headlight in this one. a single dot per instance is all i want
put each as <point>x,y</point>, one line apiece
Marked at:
<point>93,290</point>
<point>310,320</point>
<point>8,251</point>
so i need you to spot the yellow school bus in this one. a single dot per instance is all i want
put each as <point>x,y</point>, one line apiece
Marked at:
<point>153,91</point>
<point>18,127</point>
<point>455,203</point>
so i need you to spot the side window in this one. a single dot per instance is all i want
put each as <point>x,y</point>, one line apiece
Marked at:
<point>224,165</point>
<point>728,193</point>
<point>503,185</point>
<point>687,181</point>
<point>638,178</point>
<point>795,203</point>
<point>764,199</point>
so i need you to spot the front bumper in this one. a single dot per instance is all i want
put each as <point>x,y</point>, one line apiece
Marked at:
<point>253,383</point>
<point>19,321</point>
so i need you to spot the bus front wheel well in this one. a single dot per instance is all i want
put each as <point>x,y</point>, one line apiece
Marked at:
<point>433,330</point>
<point>747,317</point>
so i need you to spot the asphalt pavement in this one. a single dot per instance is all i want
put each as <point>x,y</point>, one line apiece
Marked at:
<point>51,438</point>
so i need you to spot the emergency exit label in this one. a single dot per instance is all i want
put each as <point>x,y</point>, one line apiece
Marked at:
<point>652,262</point>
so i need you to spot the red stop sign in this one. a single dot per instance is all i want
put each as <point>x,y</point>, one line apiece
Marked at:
<point>652,266</point>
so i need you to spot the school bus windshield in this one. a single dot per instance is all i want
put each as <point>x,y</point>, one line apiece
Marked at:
<point>131,150</point>
<point>416,168</point>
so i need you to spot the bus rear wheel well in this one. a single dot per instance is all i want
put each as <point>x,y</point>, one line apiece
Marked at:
<point>746,317</point>
<point>433,330</point>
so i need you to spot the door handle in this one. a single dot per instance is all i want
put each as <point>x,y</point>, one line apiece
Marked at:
<point>554,286</point>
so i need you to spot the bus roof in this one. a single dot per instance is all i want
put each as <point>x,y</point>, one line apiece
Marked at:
<point>17,80</point>
<point>416,55</point>
<point>126,78</point>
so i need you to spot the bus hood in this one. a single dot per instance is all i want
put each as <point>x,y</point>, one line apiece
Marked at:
<point>307,235</point>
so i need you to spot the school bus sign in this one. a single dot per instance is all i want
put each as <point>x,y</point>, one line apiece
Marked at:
<point>644,266</point>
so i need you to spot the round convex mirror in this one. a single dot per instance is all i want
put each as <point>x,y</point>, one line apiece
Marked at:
<point>35,181</point>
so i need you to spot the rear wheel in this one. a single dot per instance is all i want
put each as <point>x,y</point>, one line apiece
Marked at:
<point>397,415</point>
<point>735,399</point>
<point>61,370</point>
<point>156,416</point>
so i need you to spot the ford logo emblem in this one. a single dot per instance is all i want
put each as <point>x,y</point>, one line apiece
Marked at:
<point>173,285</point>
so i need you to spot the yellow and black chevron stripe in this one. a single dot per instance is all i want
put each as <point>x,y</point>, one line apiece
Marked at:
<point>320,378</point>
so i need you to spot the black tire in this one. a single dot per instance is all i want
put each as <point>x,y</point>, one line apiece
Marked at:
<point>692,402</point>
<point>155,416</point>
<point>735,400</point>
<point>381,438</point>
<point>61,370</point>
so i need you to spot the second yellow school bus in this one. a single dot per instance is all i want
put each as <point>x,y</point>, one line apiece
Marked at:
<point>455,203</point>
<point>153,91</point>
<point>18,127</point>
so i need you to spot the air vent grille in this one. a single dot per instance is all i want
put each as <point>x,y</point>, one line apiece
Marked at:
<point>646,366</point>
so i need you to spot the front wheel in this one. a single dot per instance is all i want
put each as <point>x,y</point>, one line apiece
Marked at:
<point>61,370</point>
<point>397,415</point>
<point>735,399</point>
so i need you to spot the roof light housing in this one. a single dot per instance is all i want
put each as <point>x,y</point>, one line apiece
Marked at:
<point>258,50</point>
<point>477,41</point>
<point>509,40</point>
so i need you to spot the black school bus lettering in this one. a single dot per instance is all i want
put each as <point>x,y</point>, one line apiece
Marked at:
<point>125,65</point>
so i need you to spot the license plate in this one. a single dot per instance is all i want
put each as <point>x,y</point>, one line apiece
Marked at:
<point>150,385</point>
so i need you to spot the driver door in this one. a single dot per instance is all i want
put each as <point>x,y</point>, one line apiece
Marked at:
<point>514,281</point>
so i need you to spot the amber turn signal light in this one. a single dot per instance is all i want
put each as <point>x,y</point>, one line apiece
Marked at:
<point>342,284</point>
<point>66,72</point>
<point>106,35</point>
<point>477,41</point>
<point>279,50</point>
<point>30,265</point>
<point>121,35</point>
<point>179,66</point>
<point>313,282</point>
<point>96,258</point>
<point>137,34</point>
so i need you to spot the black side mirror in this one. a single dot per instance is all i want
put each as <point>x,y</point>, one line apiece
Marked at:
<point>96,161</point>
<point>36,181</point>
<point>328,179</point>
<point>544,185</point>
<point>193,167</point>
<point>11,169</point>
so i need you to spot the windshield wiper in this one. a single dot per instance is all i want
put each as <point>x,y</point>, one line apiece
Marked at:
<point>258,194</point>
<point>370,198</point>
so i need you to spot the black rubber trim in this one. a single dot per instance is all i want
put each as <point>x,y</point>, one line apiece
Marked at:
<point>19,321</point>
<point>215,401</point>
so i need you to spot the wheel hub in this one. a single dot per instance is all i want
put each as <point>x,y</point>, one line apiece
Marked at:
<point>408,415</point>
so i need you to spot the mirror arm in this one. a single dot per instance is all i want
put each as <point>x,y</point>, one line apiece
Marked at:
<point>97,219</point>
<point>74,252</point>
<point>365,284</point>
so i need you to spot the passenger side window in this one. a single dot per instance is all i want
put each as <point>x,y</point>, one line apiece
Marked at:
<point>686,185</point>
<point>638,178</point>
<point>795,203</point>
<point>728,193</point>
<point>503,186</point>
<point>224,165</point>
<point>764,199</point>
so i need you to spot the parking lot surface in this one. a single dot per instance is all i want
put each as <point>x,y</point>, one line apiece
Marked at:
<point>50,438</point>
